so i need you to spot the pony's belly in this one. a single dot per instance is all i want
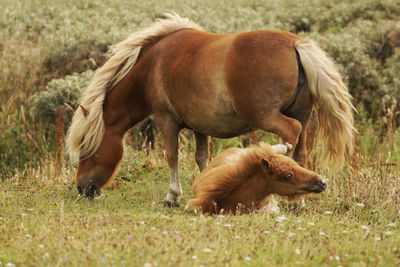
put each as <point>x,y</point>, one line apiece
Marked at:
<point>220,126</point>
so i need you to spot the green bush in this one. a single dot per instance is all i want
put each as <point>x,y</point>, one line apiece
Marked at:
<point>63,93</point>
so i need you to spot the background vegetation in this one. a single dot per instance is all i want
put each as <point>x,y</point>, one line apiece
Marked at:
<point>48,51</point>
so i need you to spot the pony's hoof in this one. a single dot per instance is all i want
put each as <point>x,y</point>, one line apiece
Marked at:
<point>169,204</point>
<point>289,146</point>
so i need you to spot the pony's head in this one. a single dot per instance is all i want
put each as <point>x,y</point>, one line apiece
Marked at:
<point>97,146</point>
<point>99,169</point>
<point>285,177</point>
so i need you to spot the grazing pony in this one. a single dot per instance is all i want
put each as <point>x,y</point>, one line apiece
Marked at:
<point>220,85</point>
<point>245,179</point>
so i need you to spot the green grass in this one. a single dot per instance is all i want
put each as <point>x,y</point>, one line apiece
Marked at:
<point>44,222</point>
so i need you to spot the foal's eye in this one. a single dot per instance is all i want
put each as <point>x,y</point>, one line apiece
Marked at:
<point>288,176</point>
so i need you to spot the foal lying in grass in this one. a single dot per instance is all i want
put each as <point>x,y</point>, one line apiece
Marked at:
<point>245,179</point>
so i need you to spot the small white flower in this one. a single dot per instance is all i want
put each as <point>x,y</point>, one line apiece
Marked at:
<point>311,223</point>
<point>388,233</point>
<point>247,258</point>
<point>207,250</point>
<point>238,237</point>
<point>41,246</point>
<point>364,227</point>
<point>378,238</point>
<point>46,255</point>
<point>227,225</point>
<point>328,212</point>
<point>297,251</point>
<point>301,229</point>
<point>165,233</point>
<point>28,236</point>
<point>360,205</point>
<point>147,264</point>
<point>266,232</point>
<point>153,228</point>
<point>391,225</point>
<point>337,258</point>
<point>345,231</point>
<point>113,230</point>
<point>323,234</point>
<point>10,264</point>
<point>280,218</point>
<point>194,257</point>
<point>1,218</point>
<point>290,234</point>
<point>142,222</point>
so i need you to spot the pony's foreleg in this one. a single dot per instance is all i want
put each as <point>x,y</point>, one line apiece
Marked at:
<point>201,150</point>
<point>170,130</point>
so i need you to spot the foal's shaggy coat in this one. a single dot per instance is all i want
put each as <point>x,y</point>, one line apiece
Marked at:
<point>244,179</point>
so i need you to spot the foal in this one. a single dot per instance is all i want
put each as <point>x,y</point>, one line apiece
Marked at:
<point>245,179</point>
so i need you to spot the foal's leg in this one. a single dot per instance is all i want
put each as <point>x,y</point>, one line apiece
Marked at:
<point>269,206</point>
<point>201,150</point>
<point>170,129</point>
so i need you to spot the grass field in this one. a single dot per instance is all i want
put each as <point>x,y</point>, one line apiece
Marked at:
<point>43,221</point>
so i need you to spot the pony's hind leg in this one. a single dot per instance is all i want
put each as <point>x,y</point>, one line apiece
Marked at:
<point>170,129</point>
<point>287,128</point>
<point>201,150</point>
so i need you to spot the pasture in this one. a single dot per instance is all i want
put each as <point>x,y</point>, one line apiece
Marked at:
<point>48,50</point>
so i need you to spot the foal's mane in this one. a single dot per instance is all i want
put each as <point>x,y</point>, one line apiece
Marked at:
<point>220,181</point>
<point>87,130</point>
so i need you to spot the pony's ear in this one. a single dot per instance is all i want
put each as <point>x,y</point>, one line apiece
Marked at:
<point>265,163</point>
<point>84,111</point>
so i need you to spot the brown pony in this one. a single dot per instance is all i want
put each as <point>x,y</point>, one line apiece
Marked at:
<point>221,85</point>
<point>245,179</point>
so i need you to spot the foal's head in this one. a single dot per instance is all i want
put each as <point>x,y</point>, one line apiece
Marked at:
<point>285,177</point>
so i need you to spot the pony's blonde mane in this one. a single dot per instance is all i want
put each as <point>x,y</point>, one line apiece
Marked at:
<point>332,102</point>
<point>221,180</point>
<point>87,130</point>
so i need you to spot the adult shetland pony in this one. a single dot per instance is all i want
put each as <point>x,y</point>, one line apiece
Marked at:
<point>221,85</point>
<point>244,179</point>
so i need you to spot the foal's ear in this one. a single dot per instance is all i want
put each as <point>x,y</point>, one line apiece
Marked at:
<point>265,163</point>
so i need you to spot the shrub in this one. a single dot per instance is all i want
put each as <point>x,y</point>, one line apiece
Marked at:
<point>60,92</point>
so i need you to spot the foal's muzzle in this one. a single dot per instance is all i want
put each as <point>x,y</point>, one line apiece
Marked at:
<point>320,187</point>
<point>90,191</point>
<point>316,186</point>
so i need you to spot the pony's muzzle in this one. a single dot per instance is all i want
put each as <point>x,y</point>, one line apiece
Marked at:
<point>90,191</point>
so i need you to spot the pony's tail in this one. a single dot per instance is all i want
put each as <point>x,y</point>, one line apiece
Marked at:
<point>87,128</point>
<point>331,101</point>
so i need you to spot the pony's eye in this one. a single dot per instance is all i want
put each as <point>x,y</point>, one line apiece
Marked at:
<point>288,176</point>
